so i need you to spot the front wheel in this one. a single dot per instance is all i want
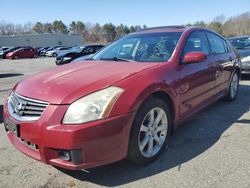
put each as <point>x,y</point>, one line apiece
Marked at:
<point>233,87</point>
<point>149,132</point>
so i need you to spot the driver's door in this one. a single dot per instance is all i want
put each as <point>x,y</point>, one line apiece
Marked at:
<point>197,80</point>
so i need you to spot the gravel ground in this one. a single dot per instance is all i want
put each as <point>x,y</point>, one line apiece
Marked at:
<point>210,150</point>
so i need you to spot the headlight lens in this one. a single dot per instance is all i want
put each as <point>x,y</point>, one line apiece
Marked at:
<point>244,59</point>
<point>67,58</point>
<point>92,107</point>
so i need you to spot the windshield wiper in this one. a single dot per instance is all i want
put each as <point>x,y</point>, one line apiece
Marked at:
<point>117,59</point>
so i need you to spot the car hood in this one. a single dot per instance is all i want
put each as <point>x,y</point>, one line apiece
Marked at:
<point>65,84</point>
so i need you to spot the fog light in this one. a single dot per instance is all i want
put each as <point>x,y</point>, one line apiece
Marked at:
<point>64,155</point>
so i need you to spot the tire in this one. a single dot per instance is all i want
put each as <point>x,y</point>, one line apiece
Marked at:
<point>54,55</point>
<point>144,132</point>
<point>16,57</point>
<point>35,56</point>
<point>233,87</point>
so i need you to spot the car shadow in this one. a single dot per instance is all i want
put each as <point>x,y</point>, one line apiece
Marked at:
<point>1,113</point>
<point>9,75</point>
<point>190,140</point>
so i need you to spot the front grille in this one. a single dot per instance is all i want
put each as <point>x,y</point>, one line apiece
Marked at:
<point>25,109</point>
<point>29,144</point>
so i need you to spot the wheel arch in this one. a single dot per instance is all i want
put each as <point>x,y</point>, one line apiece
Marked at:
<point>167,98</point>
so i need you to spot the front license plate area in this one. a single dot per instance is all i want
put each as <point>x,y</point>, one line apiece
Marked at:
<point>12,127</point>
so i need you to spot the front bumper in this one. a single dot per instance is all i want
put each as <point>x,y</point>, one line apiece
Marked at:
<point>100,142</point>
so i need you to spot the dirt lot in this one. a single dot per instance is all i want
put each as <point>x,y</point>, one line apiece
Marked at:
<point>211,150</point>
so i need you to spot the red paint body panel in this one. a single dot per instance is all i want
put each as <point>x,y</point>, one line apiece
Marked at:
<point>189,87</point>
<point>23,53</point>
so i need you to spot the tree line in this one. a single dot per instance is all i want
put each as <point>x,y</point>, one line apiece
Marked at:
<point>96,33</point>
<point>233,26</point>
<point>92,33</point>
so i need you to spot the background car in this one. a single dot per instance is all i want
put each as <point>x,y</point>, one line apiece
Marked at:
<point>27,52</point>
<point>4,48</point>
<point>242,44</point>
<point>68,57</point>
<point>42,49</point>
<point>56,51</point>
<point>43,52</point>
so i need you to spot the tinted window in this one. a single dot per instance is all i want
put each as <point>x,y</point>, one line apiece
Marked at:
<point>196,42</point>
<point>89,49</point>
<point>216,43</point>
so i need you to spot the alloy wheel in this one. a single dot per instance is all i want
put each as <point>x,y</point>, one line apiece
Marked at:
<point>234,85</point>
<point>153,132</point>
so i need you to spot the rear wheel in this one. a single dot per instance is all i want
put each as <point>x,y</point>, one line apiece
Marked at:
<point>150,131</point>
<point>233,87</point>
<point>35,56</point>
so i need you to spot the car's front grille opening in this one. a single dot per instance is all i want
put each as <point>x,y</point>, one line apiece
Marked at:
<point>26,109</point>
<point>30,144</point>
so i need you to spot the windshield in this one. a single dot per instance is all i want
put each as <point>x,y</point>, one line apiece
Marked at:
<point>241,43</point>
<point>147,47</point>
<point>76,49</point>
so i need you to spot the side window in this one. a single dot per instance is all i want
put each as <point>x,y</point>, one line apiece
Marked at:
<point>88,49</point>
<point>92,49</point>
<point>217,44</point>
<point>97,48</point>
<point>196,42</point>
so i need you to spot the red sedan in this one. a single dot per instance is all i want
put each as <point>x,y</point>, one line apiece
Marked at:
<point>123,103</point>
<point>22,53</point>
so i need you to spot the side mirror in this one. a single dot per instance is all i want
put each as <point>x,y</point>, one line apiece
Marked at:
<point>194,57</point>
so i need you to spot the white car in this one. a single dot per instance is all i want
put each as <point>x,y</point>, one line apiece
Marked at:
<point>57,51</point>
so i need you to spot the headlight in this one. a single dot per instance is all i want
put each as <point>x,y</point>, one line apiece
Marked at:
<point>244,59</point>
<point>92,107</point>
<point>67,58</point>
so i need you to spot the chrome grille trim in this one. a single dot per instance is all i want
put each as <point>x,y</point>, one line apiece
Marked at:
<point>25,109</point>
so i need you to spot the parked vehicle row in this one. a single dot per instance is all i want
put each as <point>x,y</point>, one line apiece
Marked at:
<point>71,55</point>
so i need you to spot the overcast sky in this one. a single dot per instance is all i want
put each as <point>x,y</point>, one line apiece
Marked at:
<point>130,12</point>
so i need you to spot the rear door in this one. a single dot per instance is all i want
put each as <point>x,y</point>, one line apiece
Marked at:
<point>21,53</point>
<point>197,79</point>
<point>222,58</point>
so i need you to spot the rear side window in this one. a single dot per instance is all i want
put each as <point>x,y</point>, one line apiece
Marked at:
<point>97,48</point>
<point>89,49</point>
<point>217,44</point>
<point>196,42</point>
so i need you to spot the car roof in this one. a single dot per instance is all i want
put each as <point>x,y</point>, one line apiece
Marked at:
<point>163,29</point>
<point>239,37</point>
